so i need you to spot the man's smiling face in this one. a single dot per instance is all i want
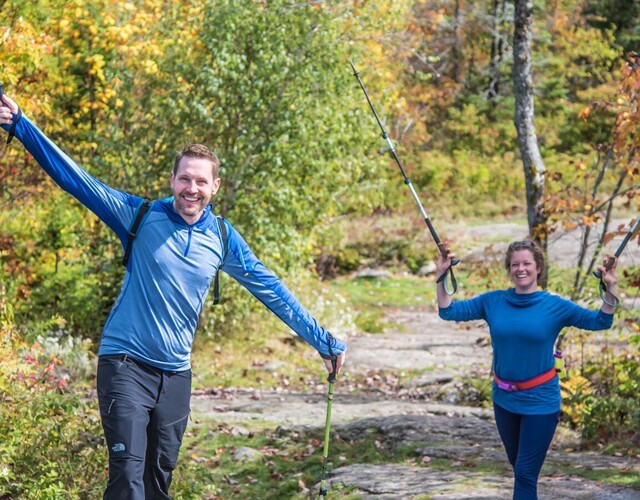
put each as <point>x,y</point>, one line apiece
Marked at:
<point>193,187</point>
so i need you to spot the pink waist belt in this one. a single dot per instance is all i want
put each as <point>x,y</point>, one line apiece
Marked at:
<point>508,386</point>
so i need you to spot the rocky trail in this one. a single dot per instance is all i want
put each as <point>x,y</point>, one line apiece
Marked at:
<point>466,435</point>
<point>443,353</point>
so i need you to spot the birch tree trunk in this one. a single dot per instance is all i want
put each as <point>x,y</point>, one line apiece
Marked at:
<point>497,48</point>
<point>534,169</point>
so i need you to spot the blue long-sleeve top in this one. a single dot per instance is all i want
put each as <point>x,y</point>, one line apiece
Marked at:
<point>524,329</point>
<point>170,268</point>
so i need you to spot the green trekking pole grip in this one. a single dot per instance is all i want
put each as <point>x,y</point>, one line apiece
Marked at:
<point>327,429</point>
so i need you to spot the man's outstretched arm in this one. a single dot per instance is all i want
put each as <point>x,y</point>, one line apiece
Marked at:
<point>112,206</point>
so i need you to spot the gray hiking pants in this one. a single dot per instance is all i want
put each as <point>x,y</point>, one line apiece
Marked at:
<point>144,412</point>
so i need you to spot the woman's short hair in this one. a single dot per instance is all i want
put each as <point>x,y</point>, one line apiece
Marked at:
<point>530,245</point>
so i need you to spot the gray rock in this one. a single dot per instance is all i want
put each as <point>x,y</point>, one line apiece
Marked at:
<point>245,454</point>
<point>368,273</point>
<point>428,269</point>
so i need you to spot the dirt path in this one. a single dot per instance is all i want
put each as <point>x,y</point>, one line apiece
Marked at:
<point>466,435</point>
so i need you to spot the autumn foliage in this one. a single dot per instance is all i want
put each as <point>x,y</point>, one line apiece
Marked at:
<point>122,86</point>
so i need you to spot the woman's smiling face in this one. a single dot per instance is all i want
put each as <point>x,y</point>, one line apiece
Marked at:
<point>524,271</point>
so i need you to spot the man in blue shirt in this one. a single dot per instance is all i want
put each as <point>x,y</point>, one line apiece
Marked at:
<point>144,370</point>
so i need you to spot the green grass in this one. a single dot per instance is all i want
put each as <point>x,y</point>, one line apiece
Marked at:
<point>626,477</point>
<point>289,464</point>
<point>371,297</point>
<point>404,291</point>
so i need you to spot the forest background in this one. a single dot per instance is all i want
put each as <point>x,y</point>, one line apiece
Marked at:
<point>122,86</point>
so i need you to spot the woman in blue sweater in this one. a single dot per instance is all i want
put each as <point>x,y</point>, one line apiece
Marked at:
<point>524,323</point>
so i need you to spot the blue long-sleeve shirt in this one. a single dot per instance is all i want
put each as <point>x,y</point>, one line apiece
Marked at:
<point>170,268</point>
<point>524,329</point>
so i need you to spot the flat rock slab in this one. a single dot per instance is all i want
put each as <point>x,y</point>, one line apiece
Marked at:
<point>421,341</point>
<point>392,481</point>
<point>302,409</point>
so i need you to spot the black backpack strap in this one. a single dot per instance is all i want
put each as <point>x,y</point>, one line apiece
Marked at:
<point>133,230</point>
<point>222,227</point>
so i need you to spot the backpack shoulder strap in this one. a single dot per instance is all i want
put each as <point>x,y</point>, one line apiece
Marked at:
<point>133,230</point>
<point>222,227</point>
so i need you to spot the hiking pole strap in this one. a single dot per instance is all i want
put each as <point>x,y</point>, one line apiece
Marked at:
<point>602,286</point>
<point>449,276</point>
<point>609,264</point>
<point>332,376</point>
<point>12,129</point>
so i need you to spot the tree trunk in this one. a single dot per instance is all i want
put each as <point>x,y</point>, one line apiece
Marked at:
<point>455,49</point>
<point>497,49</point>
<point>534,170</point>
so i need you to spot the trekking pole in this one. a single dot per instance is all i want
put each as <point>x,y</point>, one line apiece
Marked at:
<point>609,264</point>
<point>442,248</point>
<point>327,430</point>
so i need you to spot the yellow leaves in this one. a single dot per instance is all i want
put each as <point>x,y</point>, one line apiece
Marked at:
<point>96,66</point>
<point>150,67</point>
<point>585,113</point>
<point>590,220</point>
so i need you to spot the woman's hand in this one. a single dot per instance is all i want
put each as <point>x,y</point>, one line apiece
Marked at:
<point>444,262</point>
<point>442,266</point>
<point>610,278</point>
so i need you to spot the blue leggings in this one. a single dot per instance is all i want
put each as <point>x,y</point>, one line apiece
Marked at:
<point>526,439</point>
